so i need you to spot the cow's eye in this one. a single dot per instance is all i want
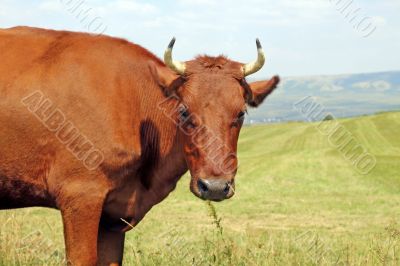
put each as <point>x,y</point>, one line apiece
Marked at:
<point>185,118</point>
<point>239,119</point>
<point>241,115</point>
<point>183,113</point>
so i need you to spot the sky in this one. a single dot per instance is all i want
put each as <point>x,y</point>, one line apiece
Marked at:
<point>299,37</point>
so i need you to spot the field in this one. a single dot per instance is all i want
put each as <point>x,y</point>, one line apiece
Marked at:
<point>297,202</point>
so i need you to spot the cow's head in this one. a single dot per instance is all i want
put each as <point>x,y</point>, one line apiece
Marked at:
<point>212,96</point>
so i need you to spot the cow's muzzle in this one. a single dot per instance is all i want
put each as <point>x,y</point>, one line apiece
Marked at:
<point>215,189</point>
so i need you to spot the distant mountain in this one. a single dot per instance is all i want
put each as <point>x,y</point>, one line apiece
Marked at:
<point>342,95</point>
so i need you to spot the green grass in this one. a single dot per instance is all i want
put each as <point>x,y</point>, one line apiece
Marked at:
<point>297,202</point>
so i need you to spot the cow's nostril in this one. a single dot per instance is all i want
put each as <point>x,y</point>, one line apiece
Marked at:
<point>202,185</point>
<point>227,188</point>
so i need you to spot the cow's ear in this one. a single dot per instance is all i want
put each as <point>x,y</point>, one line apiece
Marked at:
<point>168,80</point>
<point>260,90</point>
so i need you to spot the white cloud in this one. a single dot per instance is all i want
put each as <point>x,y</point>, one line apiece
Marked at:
<point>198,2</point>
<point>379,85</point>
<point>51,5</point>
<point>362,85</point>
<point>331,87</point>
<point>133,6</point>
<point>379,21</point>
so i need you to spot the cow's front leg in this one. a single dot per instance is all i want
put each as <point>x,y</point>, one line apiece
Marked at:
<point>110,247</point>
<point>81,216</point>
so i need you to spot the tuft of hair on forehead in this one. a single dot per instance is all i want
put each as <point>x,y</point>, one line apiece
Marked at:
<point>214,64</point>
<point>211,61</point>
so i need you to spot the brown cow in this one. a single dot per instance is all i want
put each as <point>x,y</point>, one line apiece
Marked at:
<point>101,129</point>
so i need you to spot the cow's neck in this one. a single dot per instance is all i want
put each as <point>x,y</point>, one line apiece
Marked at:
<point>162,160</point>
<point>146,178</point>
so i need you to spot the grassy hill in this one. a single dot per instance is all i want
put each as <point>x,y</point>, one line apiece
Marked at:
<point>343,95</point>
<point>298,201</point>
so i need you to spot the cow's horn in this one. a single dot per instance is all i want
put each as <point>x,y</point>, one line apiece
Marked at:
<point>253,67</point>
<point>177,66</point>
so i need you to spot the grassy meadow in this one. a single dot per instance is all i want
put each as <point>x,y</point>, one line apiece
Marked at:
<point>297,202</point>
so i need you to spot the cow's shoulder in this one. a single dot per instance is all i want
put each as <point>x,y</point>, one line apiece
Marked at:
<point>120,162</point>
